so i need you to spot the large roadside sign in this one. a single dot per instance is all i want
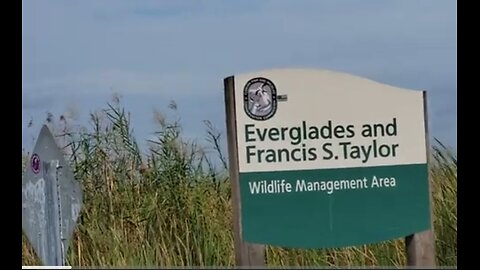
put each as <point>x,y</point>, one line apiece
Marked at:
<point>327,159</point>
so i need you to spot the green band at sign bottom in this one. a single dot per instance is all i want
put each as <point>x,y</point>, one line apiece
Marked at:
<point>334,207</point>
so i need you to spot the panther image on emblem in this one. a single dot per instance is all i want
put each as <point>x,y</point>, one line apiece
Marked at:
<point>260,99</point>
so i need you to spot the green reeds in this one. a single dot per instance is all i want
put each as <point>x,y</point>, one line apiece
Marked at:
<point>171,206</point>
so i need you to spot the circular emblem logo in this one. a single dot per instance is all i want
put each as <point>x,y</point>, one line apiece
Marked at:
<point>35,163</point>
<point>260,99</point>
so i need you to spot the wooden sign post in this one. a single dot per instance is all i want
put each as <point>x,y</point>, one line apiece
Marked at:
<point>421,246</point>
<point>246,254</point>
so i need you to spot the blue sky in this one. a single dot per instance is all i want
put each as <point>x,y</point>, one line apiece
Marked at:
<point>76,54</point>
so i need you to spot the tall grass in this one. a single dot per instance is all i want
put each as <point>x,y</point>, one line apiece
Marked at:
<point>171,206</point>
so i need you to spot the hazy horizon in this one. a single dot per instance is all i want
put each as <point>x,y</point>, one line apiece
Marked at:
<point>76,55</point>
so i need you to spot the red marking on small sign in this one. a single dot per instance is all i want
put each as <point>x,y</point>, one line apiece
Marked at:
<point>35,163</point>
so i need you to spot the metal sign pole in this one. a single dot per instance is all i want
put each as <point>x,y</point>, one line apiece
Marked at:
<point>53,215</point>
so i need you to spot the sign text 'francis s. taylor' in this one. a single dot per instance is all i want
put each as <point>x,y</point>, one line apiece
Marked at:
<point>312,142</point>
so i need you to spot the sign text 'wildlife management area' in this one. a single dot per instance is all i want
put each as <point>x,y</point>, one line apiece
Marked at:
<point>328,159</point>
